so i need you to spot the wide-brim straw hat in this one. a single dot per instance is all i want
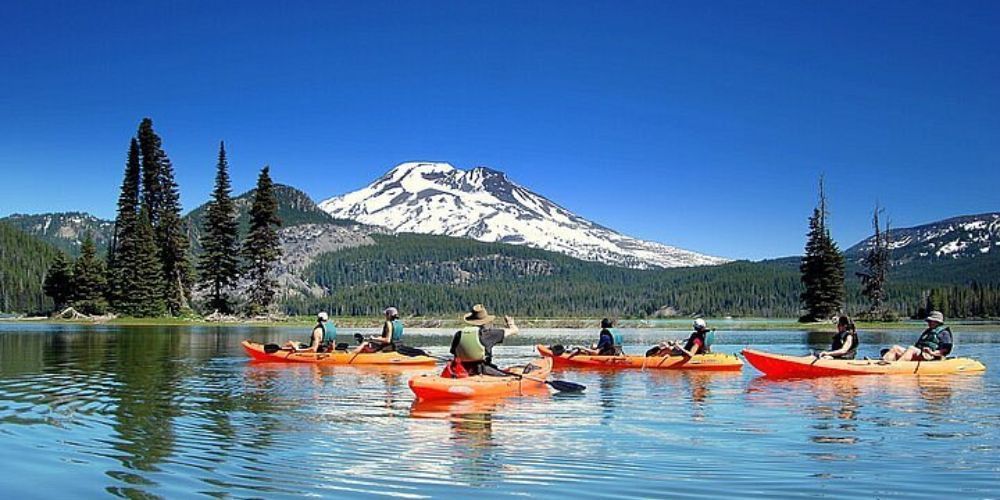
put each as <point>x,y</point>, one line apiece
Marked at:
<point>935,316</point>
<point>478,316</point>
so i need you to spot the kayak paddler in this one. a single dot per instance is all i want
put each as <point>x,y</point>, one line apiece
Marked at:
<point>392,334</point>
<point>696,343</point>
<point>845,341</point>
<point>473,345</point>
<point>609,343</point>
<point>322,339</point>
<point>934,343</point>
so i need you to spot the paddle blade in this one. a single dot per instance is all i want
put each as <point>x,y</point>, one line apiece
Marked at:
<point>411,351</point>
<point>271,348</point>
<point>558,350</point>
<point>564,386</point>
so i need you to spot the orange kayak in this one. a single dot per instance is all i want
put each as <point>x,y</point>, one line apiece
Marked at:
<point>432,386</point>
<point>708,362</point>
<point>781,365</point>
<point>256,351</point>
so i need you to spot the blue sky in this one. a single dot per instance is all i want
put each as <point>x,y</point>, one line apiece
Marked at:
<point>703,125</point>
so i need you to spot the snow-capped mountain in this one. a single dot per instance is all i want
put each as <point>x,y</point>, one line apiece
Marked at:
<point>483,204</point>
<point>955,238</point>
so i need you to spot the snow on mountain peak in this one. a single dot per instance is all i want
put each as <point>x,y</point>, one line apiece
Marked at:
<point>484,204</point>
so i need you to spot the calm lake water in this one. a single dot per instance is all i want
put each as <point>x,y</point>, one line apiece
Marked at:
<point>180,412</point>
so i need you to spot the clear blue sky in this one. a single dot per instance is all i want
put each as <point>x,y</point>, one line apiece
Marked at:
<point>703,125</point>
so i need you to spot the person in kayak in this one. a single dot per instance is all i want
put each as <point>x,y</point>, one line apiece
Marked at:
<point>845,342</point>
<point>608,344</point>
<point>322,339</point>
<point>473,345</point>
<point>933,344</point>
<point>392,334</point>
<point>696,343</point>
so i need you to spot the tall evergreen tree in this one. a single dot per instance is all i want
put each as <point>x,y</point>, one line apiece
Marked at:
<point>262,248</point>
<point>59,282</point>
<point>123,240</point>
<point>875,272</point>
<point>150,148</point>
<point>89,280</point>
<point>220,265</point>
<point>174,245</point>
<point>161,200</point>
<point>822,267</point>
<point>145,279</point>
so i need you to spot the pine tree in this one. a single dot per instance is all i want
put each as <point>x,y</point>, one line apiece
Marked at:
<point>89,280</point>
<point>145,279</point>
<point>59,282</point>
<point>161,200</point>
<point>123,240</point>
<point>152,153</point>
<point>876,269</point>
<point>822,267</point>
<point>174,245</point>
<point>262,248</point>
<point>220,265</point>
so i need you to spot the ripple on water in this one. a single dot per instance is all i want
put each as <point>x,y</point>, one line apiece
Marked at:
<point>171,413</point>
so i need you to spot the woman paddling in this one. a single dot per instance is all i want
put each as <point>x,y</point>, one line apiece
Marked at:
<point>322,339</point>
<point>608,344</point>
<point>845,342</point>
<point>696,343</point>
<point>392,334</point>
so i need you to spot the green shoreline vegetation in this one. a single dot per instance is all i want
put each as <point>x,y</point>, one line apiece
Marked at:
<point>673,324</point>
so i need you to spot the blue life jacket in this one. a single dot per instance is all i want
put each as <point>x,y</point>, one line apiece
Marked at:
<point>329,335</point>
<point>397,331</point>
<point>619,340</point>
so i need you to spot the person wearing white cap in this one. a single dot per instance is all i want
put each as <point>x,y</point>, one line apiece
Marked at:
<point>696,343</point>
<point>392,334</point>
<point>322,339</point>
<point>936,342</point>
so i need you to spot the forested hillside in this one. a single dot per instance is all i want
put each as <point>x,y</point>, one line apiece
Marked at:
<point>294,208</point>
<point>433,275</point>
<point>24,259</point>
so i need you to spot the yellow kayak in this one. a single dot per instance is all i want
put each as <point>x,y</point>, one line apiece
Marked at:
<point>707,362</point>
<point>256,351</point>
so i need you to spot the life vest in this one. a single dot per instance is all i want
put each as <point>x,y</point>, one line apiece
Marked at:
<point>619,340</point>
<point>704,342</point>
<point>397,331</point>
<point>839,340</point>
<point>329,337</point>
<point>469,347</point>
<point>931,338</point>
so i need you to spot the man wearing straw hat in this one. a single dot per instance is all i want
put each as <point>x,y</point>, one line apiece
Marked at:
<point>473,345</point>
<point>934,343</point>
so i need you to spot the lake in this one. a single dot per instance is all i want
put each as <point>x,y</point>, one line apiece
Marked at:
<point>174,412</point>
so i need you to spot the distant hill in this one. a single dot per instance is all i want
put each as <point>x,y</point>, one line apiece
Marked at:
<point>964,237</point>
<point>65,230</point>
<point>24,260</point>
<point>295,208</point>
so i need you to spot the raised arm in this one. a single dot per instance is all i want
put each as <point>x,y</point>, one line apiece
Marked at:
<point>511,327</point>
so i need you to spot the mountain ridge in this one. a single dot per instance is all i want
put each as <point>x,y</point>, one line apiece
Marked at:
<point>484,204</point>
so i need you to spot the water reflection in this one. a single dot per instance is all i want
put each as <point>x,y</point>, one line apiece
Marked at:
<point>144,412</point>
